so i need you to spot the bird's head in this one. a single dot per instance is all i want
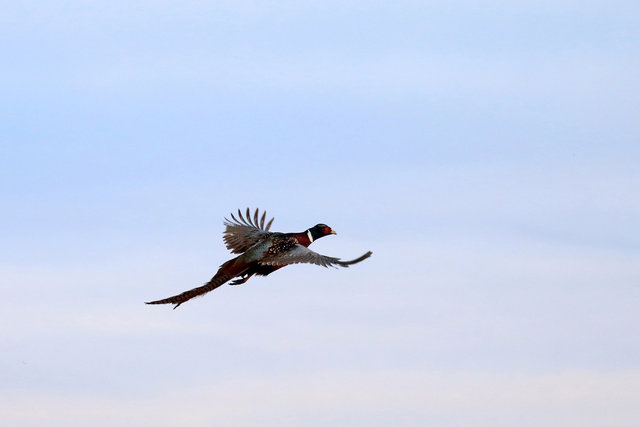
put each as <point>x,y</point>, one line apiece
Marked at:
<point>320,230</point>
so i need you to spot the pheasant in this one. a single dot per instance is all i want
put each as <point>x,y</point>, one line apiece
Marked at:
<point>261,252</point>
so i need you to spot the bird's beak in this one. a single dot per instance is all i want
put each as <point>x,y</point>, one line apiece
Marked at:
<point>333,232</point>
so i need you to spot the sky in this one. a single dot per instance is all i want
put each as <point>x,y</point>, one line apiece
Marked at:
<point>485,151</point>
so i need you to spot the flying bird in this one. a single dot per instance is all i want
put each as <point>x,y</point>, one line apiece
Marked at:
<point>261,252</point>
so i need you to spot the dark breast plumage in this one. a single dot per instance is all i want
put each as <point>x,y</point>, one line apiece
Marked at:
<point>280,245</point>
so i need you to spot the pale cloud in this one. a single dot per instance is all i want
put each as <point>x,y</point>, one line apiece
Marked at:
<point>573,398</point>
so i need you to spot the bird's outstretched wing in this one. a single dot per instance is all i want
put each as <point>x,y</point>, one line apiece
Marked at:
<point>300,254</point>
<point>241,233</point>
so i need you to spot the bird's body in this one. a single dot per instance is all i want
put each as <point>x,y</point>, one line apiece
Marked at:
<point>261,252</point>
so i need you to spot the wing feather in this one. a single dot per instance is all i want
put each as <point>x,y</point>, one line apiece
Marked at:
<point>269,224</point>
<point>241,233</point>
<point>242,218</point>
<point>300,254</point>
<point>264,214</point>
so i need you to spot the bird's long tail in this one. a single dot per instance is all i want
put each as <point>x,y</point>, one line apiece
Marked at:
<point>221,277</point>
<point>217,280</point>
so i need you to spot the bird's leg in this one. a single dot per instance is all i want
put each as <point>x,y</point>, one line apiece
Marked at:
<point>241,280</point>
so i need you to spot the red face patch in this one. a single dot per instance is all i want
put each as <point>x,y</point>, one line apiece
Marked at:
<point>326,230</point>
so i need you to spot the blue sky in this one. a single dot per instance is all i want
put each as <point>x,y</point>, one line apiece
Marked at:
<point>486,152</point>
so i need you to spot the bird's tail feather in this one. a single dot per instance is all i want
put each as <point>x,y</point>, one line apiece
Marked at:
<point>217,280</point>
